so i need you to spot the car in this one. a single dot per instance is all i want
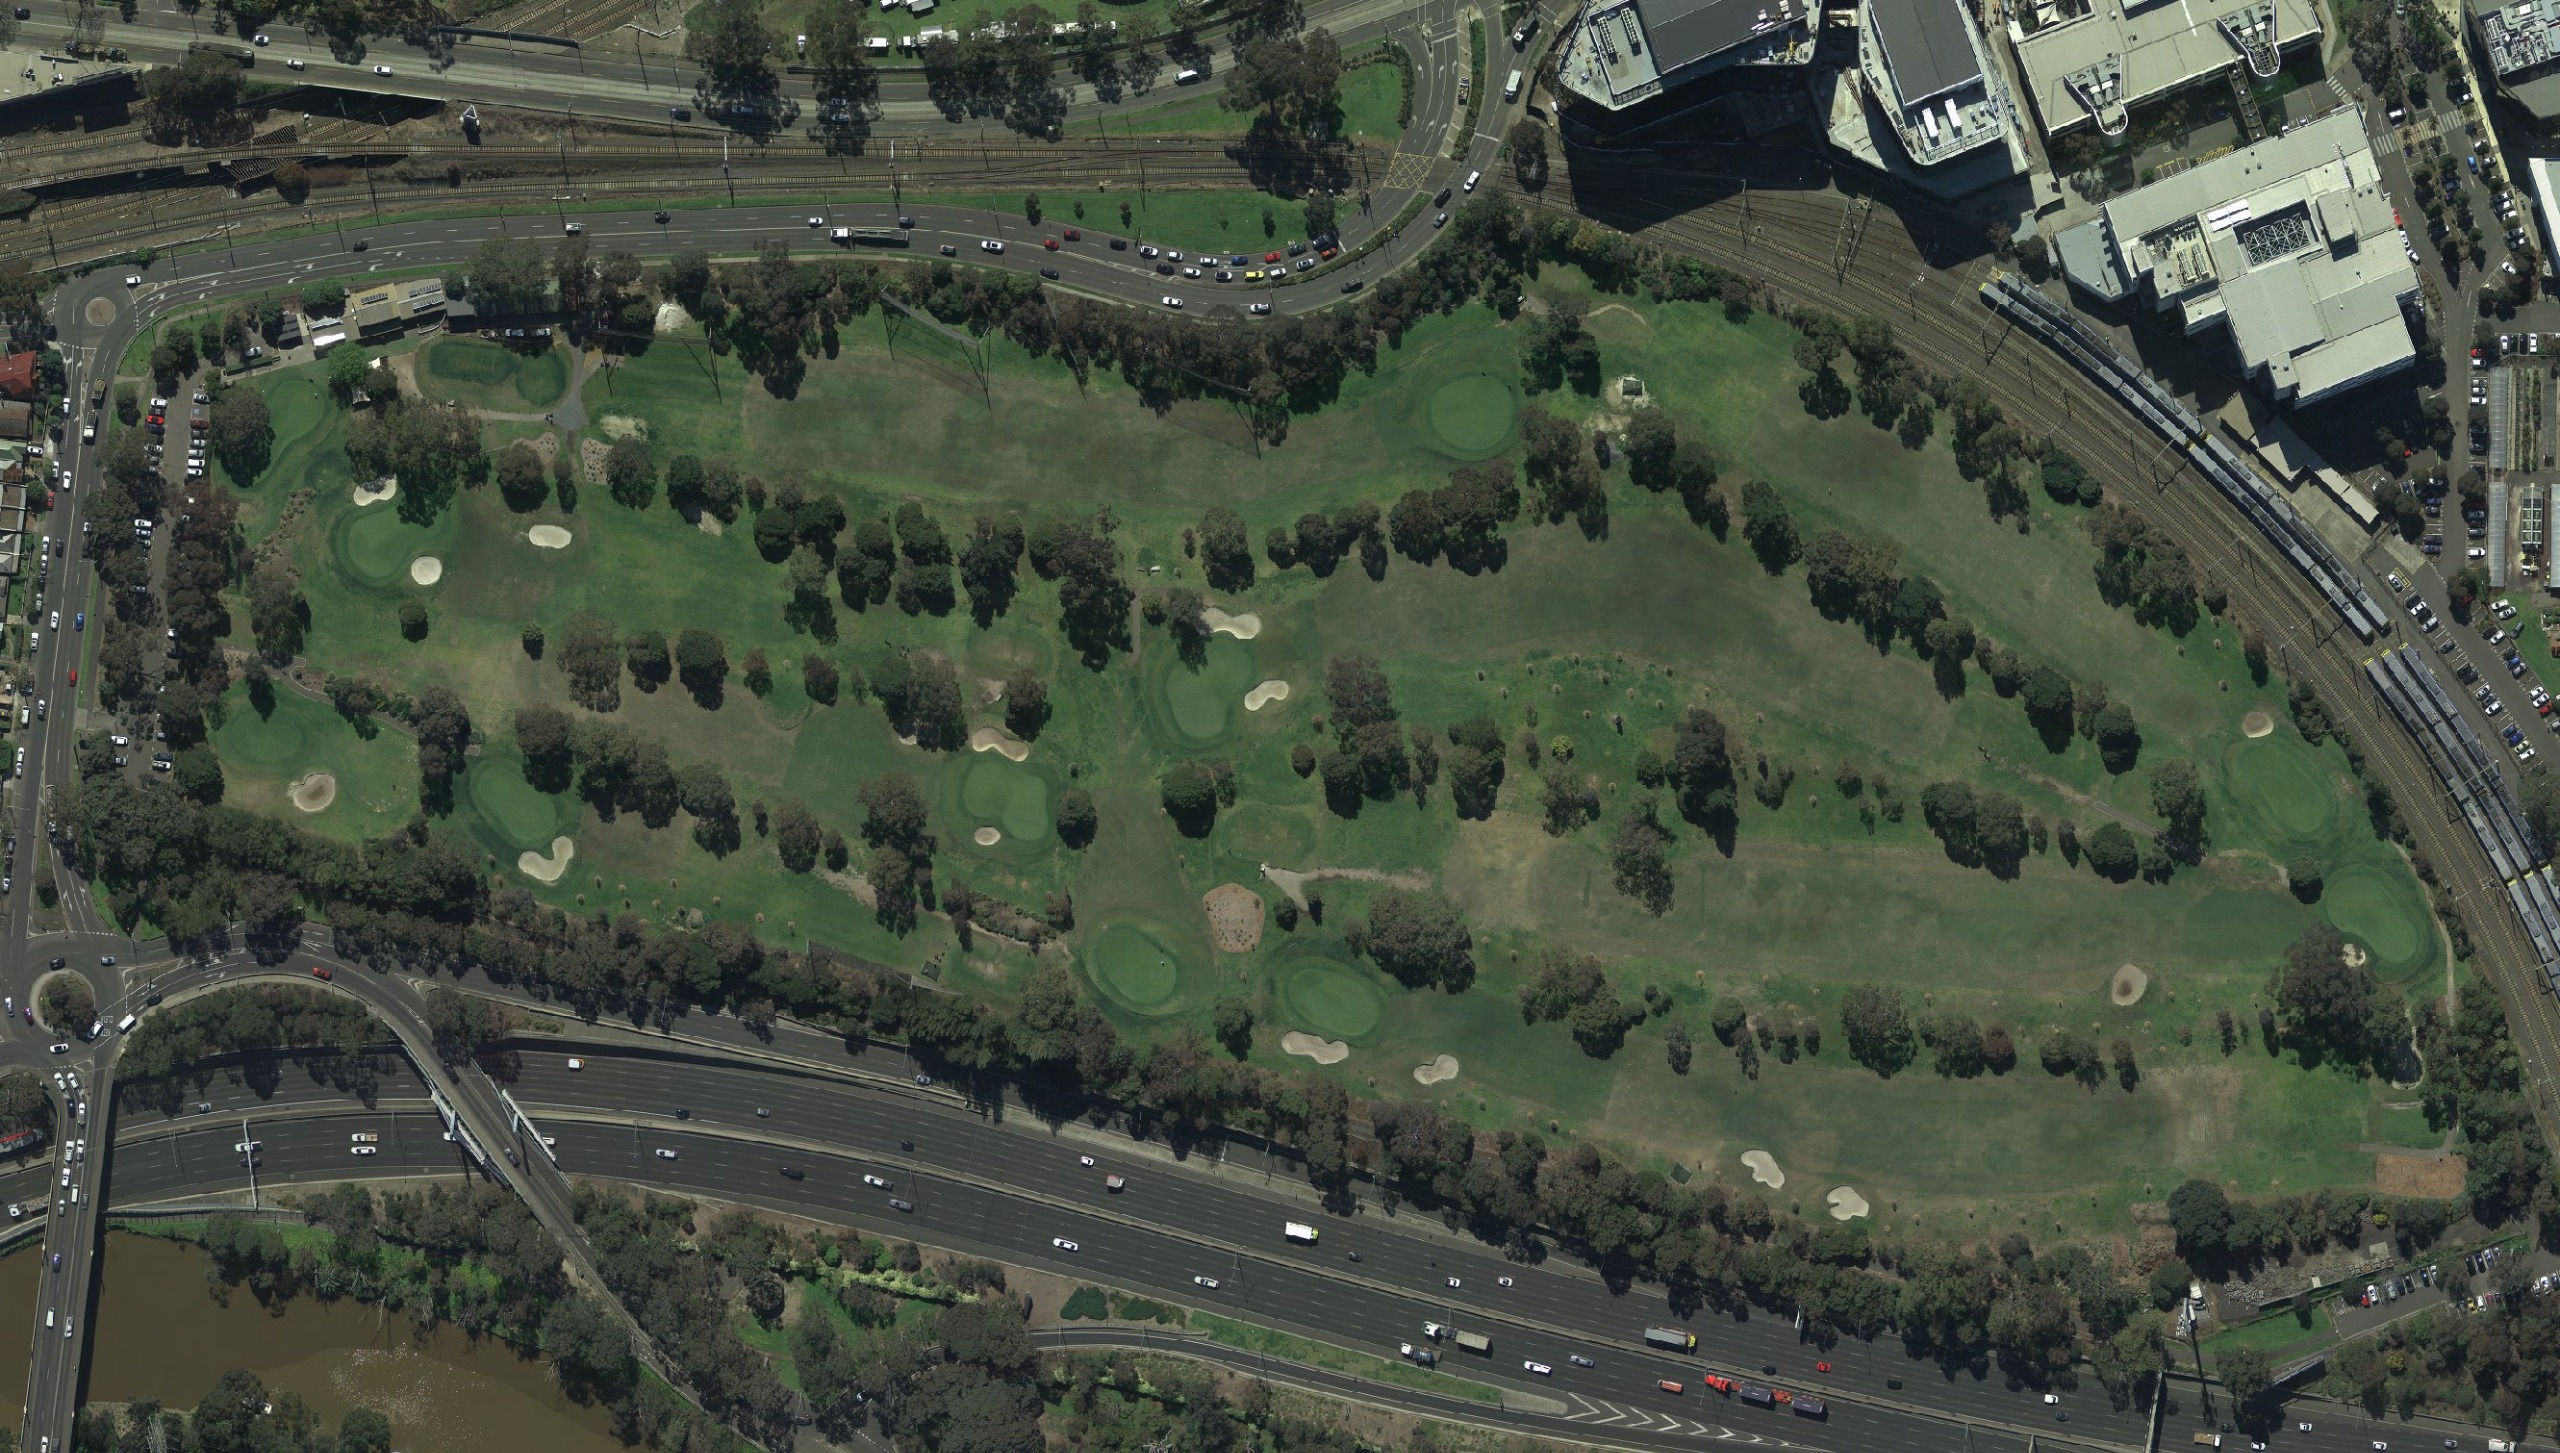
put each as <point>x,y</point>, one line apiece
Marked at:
<point>1063,1244</point>
<point>1259,310</point>
<point>1146,250</point>
<point>2396,582</point>
<point>2381,1447</point>
<point>1540,1368</point>
<point>1502,1281</point>
<point>248,1147</point>
<point>896,1204</point>
<point>1673,1388</point>
<point>364,1150</point>
<point>1086,1161</point>
<point>1822,1367</point>
<point>1305,263</point>
<point>817,221</point>
<point>949,251</point>
<point>1253,275</point>
<point>576,1063</point>
<point>365,1137</point>
<point>2302,1427</point>
<point>1351,285</point>
<point>1578,1360</point>
<point>1453,1283</point>
<point>1210,1282</point>
<point>1174,252</point>
<point>54,621</point>
<point>2476,553</point>
<point>1050,243</point>
<point>1191,272</point>
<point>2051,1399</point>
<point>323,972</point>
<point>1173,302</point>
<point>293,64</point>
<point>106,961</point>
<point>382,70</point>
<point>875,1182</point>
<point>662,216</point>
<point>665,1154</point>
<point>1050,273</point>
<point>684,1112</point>
<point>259,39</point>
<point>1164,269</point>
<point>133,279</point>
<point>794,1173</point>
<point>80,620</point>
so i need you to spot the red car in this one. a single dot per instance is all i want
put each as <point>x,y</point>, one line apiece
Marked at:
<point>1673,1388</point>
<point>1719,1383</point>
<point>1050,243</point>
<point>75,675</point>
<point>1822,1367</point>
<point>323,971</point>
<point>1327,254</point>
<point>1270,257</point>
<point>1074,235</point>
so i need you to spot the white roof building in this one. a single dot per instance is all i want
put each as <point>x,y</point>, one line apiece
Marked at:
<point>2091,61</point>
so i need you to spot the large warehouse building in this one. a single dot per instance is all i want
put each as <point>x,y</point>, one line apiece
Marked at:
<point>2091,62</point>
<point>1928,69</point>
<point>1621,53</point>
<point>2290,243</point>
<point>2522,43</point>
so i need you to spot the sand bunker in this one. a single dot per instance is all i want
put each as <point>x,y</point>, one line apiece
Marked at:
<point>2257,724</point>
<point>2128,986</point>
<point>2354,955</point>
<point>547,537</point>
<point>547,870</point>
<point>1243,627</point>
<point>622,426</point>
<point>313,791</point>
<point>1764,1168</point>
<point>1322,1051</point>
<point>1442,1067</point>
<point>998,740</point>
<point>1235,918</point>
<point>987,837</point>
<point>672,318</point>
<point>374,493</point>
<point>426,570</point>
<point>1846,1203</point>
<point>1268,691</point>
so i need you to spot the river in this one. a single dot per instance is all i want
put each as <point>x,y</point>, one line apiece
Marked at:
<point>160,1333</point>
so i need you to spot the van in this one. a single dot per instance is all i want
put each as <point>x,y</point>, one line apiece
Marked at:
<point>48,1316</point>
<point>1186,76</point>
<point>1472,179</point>
<point>1511,87</point>
<point>1520,37</point>
<point>125,1025</point>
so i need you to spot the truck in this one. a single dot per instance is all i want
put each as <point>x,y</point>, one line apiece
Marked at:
<point>1809,1406</point>
<point>97,393</point>
<point>1421,1355</point>
<point>1475,1342</point>
<point>1756,1395</point>
<point>1672,1338</point>
<point>1511,87</point>
<point>241,53</point>
<point>1298,1231</point>
<point>2208,1440</point>
<point>875,237</point>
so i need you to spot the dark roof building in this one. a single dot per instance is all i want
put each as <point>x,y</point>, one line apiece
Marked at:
<point>18,376</point>
<point>2522,40</point>
<point>1620,53</point>
<point>1925,66</point>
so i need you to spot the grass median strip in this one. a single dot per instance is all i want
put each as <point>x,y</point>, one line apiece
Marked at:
<point>1289,1348</point>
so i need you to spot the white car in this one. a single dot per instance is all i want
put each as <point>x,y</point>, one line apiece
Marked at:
<point>1063,1244</point>
<point>1086,1161</point>
<point>576,1063</point>
<point>817,221</point>
<point>133,279</point>
<point>665,1154</point>
<point>2050,1399</point>
<point>875,1182</point>
<point>365,1137</point>
<point>1540,1368</point>
<point>1502,1281</point>
<point>1453,1283</point>
<point>293,65</point>
<point>990,245</point>
<point>382,70</point>
<point>1173,302</point>
<point>259,39</point>
<point>1210,1282</point>
<point>53,621</point>
<point>248,1146</point>
<point>1260,310</point>
<point>364,1150</point>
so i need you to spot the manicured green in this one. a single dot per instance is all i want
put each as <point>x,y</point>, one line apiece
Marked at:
<point>1472,415</point>
<point>518,814</point>
<point>492,377</point>
<point>1332,999</point>
<point>1127,963</point>
<point>2281,784</point>
<point>1010,796</point>
<point>1201,703</point>
<point>2386,916</point>
<point>377,548</point>
<point>263,755</point>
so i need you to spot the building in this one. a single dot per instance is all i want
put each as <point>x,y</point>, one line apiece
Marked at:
<point>2090,62</point>
<point>389,307</point>
<point>1620,53</point>
<point>20,1142</point>
<point>2521,42</point>
<point>18,376</point>
<point>17,420</point>
<point>1926,70</point>
<point>2290,244</point>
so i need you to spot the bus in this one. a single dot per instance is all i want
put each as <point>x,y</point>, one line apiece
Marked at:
<point>241,53</point>
<point>1672,1338</point>
<point>878,237</point>
<point>1299,1231</point>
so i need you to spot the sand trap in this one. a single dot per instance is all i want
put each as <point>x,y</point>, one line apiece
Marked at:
<point>547,870</point>
<point>547,537</point>
<point>987,837</point>
<point>1000,741</point>
<point>2128,986</point>
<point>1322,1051</point>
<point>1235,917</point>
<point>2354,955</point>
<point>1846,1204</point>
<point>1442,1067</point>
<point>1268,691</point>
<point>672,318</point>
<point>622,426</point>
<point>1764,1168</point>
<point>2257,724</point>
<point>374,493</point>
<point>426,570</point>
<point>313,791</point>
<point>1243,628</point>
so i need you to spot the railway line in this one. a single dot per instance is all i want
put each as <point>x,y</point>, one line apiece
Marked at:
<point>1934,312</point>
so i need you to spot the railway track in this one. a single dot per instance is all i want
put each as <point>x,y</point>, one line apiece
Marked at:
<point>1939,320</point>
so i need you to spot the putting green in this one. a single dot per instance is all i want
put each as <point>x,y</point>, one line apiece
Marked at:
<point>1261,833</point>
<point>375,546</point>
<point>1471,415</point>
<point>1201,705</point>
<point>1332,1000</point>
<point>491,376</point>
<point>2283,787</point>
<point>1133,969</point>
<point>269,741</point>
<point>2364,903</point>
<point>521,816</point>
<point>1005,794</point>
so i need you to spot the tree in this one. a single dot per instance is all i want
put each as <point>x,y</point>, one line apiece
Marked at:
<point>363,1430</point>
<point>1637,860</point>
<point>728,39</point>
<point>509,275</point>
<point>1231,1022</point>
<point>1527,142</point>
<point>277,612</point>
<point>757,672</point>
<point>631,476</point>
<point>2303,875</point>
<point>1877,1023</point>
<point>348,368</point>
<point>2330,1006</point>
<point>413,619</point>
<point>1026,703</point>
<point>193,100</point>
<point>702,662</point>
<point>2244,1373</point>
<point>1075,817</point>
<point>431,449</point>
<point>1768,527</point>
<point>1190,796</point>
<point>198,773</point>
<point>848,88</point>
<point>241,436</point>
<point>2178,797</point>
<point>522,480</point>
<point>1677,1048</point>
<point>1420,939</point>
<point>1652,443</point>
<point>1289,84</point>
<point>1226,554</point>
<point>2201,1216</point>
<point>2111,852</point>
<point>796,836</point>
<point>819,679</point>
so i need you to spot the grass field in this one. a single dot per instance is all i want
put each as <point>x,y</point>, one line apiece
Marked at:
<point>1570,632</point>
<point>1371,95</point>
<point>264,754</point>
<point>492,377</point>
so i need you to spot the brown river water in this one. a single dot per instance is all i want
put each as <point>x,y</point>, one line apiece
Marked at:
<point>160,1333</point>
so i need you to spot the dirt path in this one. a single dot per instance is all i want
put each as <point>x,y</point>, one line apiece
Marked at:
<point>1294,884</point>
